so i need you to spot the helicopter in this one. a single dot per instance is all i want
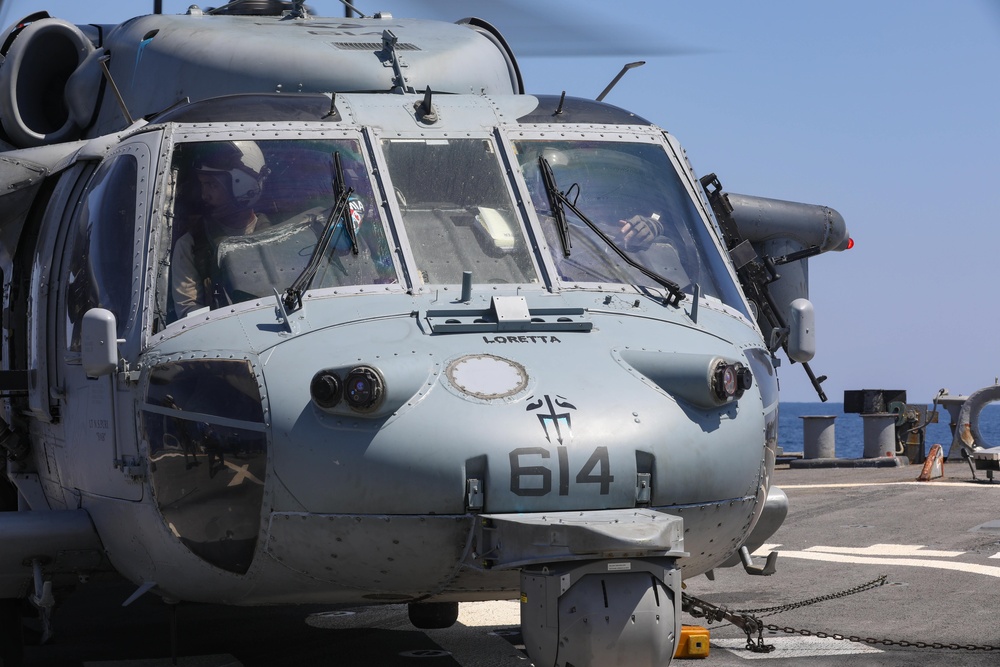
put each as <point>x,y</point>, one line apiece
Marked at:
<point>437,339</point>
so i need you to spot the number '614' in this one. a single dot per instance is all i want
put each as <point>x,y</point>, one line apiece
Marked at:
<point>531,472</point>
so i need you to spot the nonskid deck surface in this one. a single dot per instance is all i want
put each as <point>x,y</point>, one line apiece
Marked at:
<point>937,543</point>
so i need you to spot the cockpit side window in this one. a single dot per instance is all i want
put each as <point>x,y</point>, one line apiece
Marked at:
<point>101,247</point>
<point>247,216</point>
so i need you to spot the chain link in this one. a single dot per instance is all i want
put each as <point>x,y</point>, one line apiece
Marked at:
<point>872,641</point>
<point>747,621</point>
<point>771,611</point>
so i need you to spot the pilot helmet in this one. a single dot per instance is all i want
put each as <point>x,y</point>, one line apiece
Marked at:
<point>242,162</point>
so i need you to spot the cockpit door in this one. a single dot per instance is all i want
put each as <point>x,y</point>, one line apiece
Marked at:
<point>101,266</point>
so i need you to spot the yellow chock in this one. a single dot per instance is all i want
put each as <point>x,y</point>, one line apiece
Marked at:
<point>693,642</point>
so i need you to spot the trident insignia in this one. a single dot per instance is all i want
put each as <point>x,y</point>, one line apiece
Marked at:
<point>558,421</point>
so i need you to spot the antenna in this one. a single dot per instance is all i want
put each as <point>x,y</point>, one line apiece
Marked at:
<point>425,108</point>
<point>350,10</point>
<point>638,63</point>
<point>562,100</point>
<point>114,88</point>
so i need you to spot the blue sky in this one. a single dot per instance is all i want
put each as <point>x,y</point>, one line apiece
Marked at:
<point>887,111</point>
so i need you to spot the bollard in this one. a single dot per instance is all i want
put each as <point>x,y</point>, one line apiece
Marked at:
<point>880,435</point>
<point>954,405</point>
<point>818,437</point>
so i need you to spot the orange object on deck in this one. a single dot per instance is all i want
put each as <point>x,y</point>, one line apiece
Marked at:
<point>693,642</point>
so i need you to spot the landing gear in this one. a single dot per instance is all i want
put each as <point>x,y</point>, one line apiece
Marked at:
<point>433,615</point>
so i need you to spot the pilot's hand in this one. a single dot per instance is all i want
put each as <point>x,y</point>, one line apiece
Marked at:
<point>640,231</point>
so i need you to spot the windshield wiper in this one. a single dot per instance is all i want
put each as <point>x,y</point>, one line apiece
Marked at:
<point>559,199</point>
<point>555,202</point>
<point>340,191</point>
<point>293,295</point>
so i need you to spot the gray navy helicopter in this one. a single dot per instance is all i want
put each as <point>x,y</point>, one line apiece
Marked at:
<point>329,310</point>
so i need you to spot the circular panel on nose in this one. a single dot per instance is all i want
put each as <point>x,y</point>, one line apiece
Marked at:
<point>487,377</point>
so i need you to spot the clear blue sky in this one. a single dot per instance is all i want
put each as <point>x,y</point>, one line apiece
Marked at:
<point>887,111</point>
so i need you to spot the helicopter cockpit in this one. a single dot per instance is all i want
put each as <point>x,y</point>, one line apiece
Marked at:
<point>425,208</point>
<point>631,193</point>
<point>293,206</point>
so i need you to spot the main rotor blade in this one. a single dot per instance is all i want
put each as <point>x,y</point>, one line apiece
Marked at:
<point>560,28</point>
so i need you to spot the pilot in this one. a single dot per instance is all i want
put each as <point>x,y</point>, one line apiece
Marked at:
<point>636,233</point>
<point>231,175</point>
<point>640,231</point>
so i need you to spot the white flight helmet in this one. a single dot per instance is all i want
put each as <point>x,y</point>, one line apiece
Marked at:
<point>243,162</point>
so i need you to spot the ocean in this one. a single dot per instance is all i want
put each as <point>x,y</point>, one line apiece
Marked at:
<point>849,428</point>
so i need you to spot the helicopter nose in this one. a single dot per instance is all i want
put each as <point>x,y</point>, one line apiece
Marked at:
<point>414,431</point>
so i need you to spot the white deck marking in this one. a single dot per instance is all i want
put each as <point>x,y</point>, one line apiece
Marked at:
<point>926,485</point>
<point>764,549</point>
<point>971,568</point>
<point>915,550</point>
<point>884,554</point>
<point>793,647</point>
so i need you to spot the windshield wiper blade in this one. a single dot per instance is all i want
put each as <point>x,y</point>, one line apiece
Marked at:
<point>556,203</point>
<point>559,199</point>
<point>339,190</point>
<point>293,295</point>
<point>676,295</point>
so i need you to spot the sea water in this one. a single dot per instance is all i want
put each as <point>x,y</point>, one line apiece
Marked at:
<point>849,427</point>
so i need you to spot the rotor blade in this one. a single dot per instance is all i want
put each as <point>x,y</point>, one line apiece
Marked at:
<point>553,28</point>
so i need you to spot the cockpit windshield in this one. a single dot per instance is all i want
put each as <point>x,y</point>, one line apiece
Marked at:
<point>458,211</point>
<point>247,216</point>
<point>251,218</point>
<point>631,192</point>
